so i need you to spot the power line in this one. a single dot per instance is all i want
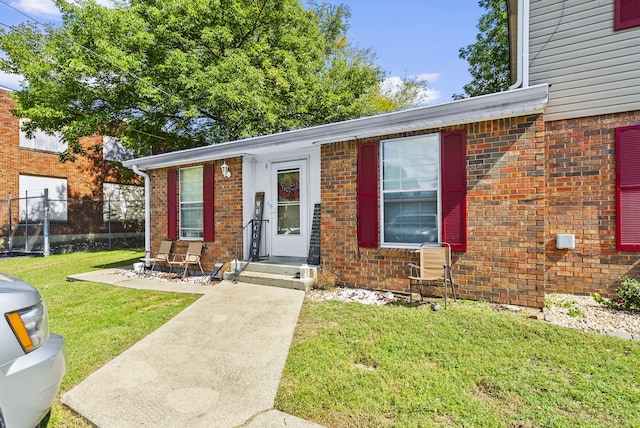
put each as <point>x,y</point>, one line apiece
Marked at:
<point>126,72</point>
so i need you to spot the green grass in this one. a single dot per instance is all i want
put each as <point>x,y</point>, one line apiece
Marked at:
<point>354,365</point>
<point>97,321</point>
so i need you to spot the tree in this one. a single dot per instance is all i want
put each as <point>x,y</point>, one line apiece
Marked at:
<point>402,93</point>
<point>488,57</point>
<point>169,74</point>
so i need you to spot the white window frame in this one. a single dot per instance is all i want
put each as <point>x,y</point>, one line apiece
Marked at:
<point>190,205</point>
<point>436,137</point>
<point>33,186</point>
<point>42,141</point>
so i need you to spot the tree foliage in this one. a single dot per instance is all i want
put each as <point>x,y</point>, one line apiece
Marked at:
<point>488,57</point>
<point>170,74</point>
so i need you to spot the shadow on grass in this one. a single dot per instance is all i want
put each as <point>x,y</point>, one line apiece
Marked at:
<point>119,264</point>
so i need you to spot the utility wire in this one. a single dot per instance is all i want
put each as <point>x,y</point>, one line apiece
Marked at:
<point>126,72</point>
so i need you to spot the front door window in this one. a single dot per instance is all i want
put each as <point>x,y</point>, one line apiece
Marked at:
<point>289,202</point>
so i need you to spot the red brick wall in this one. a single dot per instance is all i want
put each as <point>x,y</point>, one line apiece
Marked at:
<point>504,261</point>
<point>228,214</point>
<point>84,177</point>
<point>527,181</point>
<point>580,176</point>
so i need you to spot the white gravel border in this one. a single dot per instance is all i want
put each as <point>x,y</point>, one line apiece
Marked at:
<point>592,316</point>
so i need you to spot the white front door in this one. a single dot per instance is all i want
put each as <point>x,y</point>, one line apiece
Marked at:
<point>289,217</point>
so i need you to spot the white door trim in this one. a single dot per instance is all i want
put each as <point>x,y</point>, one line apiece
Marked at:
<point>290,244</point>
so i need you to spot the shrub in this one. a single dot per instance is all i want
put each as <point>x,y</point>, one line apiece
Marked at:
<point>628,295</point>
<point>325,280</point>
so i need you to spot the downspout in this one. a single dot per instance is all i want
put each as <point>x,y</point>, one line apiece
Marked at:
<point>147,211</point>
<point>522,78</point>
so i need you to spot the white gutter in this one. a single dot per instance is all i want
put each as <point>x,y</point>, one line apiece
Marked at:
<point>482,108</point>
<point>147,211</point>
<point>522,79</point>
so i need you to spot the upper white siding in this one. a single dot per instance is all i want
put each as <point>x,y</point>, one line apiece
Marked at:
<point>591,68</point>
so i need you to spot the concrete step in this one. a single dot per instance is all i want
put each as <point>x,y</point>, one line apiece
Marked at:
<point>277,269</point>
<point>271,279</point>
<point>275,275</point>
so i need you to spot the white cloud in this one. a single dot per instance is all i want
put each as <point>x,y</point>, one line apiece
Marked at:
<point>39,8</point>
<point>427,96</point>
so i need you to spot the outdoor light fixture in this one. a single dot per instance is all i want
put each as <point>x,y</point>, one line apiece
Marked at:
<point>225,169</point>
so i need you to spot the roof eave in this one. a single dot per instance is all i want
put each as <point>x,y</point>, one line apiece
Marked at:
<point>487,107</point>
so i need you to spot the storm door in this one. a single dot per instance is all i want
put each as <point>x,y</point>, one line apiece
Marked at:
<point>289,214</point>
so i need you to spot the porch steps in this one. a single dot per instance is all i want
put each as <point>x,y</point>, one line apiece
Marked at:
<point>274,275</point>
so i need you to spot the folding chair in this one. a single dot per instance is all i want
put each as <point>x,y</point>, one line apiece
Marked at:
<point>162,255</point>
<point>435,269</point>
<point>192,257</point>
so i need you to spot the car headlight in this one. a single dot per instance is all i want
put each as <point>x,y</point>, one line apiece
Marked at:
<point>30,325</point>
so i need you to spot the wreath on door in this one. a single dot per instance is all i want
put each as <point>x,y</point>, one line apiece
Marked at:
<point>289,186</point>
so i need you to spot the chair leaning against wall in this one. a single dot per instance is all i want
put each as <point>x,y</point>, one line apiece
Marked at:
<point>434,269</point>
<point>191,257</point>
<point>163,255</point>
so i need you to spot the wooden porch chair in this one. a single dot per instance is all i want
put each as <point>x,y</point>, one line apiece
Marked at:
<point>163,255</point>
<point>434,269</point>
<point>191,257</point>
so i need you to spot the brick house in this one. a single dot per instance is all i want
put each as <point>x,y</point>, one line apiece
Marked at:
<point>28,166</point>
<point>506,178</point>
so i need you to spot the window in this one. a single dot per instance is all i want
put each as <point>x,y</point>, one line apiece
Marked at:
<point>195,206</point>
<point>420,195</point>
<point>627,14</point>
<point>191,203</point>
<point>289,202</point>
<point>32,198</point>
<point>113,150</point>
<point>123,202</point>
<point>42,141</point>
<point>628,188</point>
<point>410,190</point>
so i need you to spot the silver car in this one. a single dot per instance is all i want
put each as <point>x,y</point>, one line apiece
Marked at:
<point>32,361</point>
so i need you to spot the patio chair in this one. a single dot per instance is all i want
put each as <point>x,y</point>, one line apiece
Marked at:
<point>434,269</point>
<point>162,255</point>
<point>191,257</point>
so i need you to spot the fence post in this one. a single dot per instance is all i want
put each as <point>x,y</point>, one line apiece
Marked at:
<point>109,218</point>
<point>10,232</point>
<point>26,221</point>
<point>45,227</point>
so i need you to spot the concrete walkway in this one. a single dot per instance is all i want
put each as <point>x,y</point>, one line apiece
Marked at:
<point>216,364</point>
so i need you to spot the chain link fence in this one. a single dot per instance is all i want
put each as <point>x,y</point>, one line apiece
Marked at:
<point>40,225</point>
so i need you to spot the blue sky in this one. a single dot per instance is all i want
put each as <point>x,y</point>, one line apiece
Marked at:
<point>417,37</point>
<point>409,37</point>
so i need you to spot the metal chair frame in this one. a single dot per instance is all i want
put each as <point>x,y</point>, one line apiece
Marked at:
<point>434,269</point>
<point>163,255</point>
<point>192,256</point>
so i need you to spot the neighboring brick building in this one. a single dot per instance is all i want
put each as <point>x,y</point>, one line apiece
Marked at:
<point>504,177</point>
<point>28,166</point>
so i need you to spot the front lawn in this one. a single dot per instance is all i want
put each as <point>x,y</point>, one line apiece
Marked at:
<point>97,321</point>
<point>353,365</point>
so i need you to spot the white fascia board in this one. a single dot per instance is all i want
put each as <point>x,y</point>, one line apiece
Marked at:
<point>500,105</point>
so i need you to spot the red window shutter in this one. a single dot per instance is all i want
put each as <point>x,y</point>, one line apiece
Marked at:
<point>628,188</point>
<point>368,195</point>
<point>454,189</point>
<point>172,204</point>
<point>627,14</point>
<point>208,199</point>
